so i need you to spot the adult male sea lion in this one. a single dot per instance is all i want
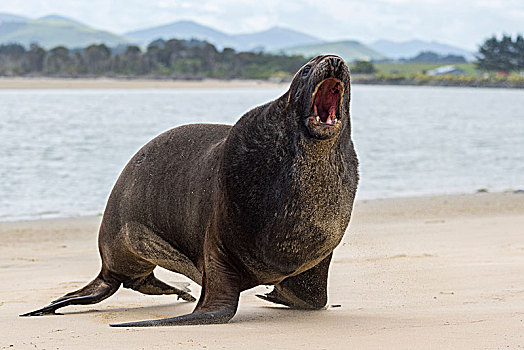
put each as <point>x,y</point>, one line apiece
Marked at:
<point>262,202</point>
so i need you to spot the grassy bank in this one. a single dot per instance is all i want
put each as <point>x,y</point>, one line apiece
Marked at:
<point>420,67</point>
<point>415,73</point>
<point>419,79</point>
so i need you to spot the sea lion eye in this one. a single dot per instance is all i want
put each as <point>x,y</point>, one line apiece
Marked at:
<point>305,71</point>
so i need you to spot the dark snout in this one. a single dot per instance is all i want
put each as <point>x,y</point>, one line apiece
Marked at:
<point>334,63</point>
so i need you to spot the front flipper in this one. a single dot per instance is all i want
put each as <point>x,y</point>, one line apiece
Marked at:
<point>220,316</point>
<point>218,300</point>
<point>306,291</point>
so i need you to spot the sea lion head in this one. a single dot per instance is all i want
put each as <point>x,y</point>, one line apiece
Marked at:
<point>319,94</point>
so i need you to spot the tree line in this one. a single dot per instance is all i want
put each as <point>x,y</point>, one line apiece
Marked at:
<point>194,59</point>
<point>178,59</point>
<point>504,55</point>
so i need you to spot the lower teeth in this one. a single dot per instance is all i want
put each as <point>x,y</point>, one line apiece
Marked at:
<point>333,121</point>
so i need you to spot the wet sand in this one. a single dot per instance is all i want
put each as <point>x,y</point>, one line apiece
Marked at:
<point>411,273</point>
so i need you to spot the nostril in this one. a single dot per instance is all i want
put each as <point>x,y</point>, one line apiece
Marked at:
<point>334,61</point>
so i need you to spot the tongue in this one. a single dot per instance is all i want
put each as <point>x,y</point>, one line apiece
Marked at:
<point>332,115</point>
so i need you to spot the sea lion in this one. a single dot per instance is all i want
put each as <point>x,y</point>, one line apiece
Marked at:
<point>265,201</point>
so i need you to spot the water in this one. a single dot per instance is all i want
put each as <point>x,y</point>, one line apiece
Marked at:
<point>62,150</point>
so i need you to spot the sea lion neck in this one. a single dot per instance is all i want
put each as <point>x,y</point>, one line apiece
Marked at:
<point>267,151</point>
<point>277,130</point>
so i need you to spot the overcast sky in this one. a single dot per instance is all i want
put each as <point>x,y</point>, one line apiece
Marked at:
<point>464,23</point>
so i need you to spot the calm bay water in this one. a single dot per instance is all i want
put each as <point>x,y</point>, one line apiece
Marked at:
<point>62,150</point>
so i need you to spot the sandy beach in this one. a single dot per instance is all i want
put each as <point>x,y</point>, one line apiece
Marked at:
<point>443,272</point>
<point>114,83</point>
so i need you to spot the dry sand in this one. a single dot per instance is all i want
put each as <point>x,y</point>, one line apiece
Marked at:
<point>111,83</point>
<point>416,273</point>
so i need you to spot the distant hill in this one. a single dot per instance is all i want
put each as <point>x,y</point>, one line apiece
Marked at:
<point>180,30</point>
<point>51,31</point>
<point>349,50</point>
<point>7,17</point>
<point>271,39</point>
<point>274,39</point>
<point>432,57</point>
<point>58,18</point>
<point>54,30</point>
<point>408,49</point>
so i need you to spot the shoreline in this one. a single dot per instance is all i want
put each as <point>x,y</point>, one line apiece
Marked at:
<point>443,83</point>
<point>427,272</point>
<point>435,197</point>
<point>38,83</point>
<point>25,83</point>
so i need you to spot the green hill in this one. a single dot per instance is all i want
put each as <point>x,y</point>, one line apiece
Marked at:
<point>349,50</point>
<point>9,17</point>
<point>52,32</point>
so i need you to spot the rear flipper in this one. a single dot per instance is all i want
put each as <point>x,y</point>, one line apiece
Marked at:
<point>307,291</point>
<point>153,286</point>
<point>103,287</point>
<point>97,290</point>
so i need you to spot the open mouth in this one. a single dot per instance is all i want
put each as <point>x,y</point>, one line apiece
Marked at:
<point>326,101</point>
<point>324,115</point>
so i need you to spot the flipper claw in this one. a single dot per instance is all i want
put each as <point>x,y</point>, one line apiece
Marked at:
<point>46,310</point>
<point>272,299</point>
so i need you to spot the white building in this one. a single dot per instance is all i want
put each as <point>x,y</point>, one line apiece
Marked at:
<point>444,70</point>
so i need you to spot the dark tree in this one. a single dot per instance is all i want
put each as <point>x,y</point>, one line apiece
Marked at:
<point>57,61</point>
<point>11,59</point>
<point>79,63</point>
<point>129,61</point>
<point>505,55</point>
<point>97,58</point>
<point>13,50</point>
<point>34,59</point>
<point>519,49</point>
<point>363,67</point>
